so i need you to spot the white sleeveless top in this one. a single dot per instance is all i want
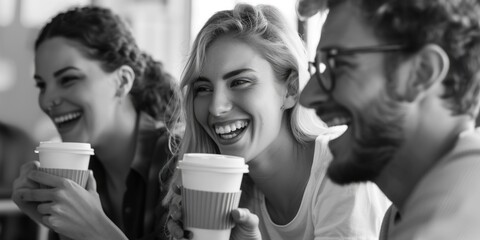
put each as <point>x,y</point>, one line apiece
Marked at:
<point>327,211</point>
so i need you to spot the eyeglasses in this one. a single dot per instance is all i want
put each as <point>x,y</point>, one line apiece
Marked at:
<point>322,68</point>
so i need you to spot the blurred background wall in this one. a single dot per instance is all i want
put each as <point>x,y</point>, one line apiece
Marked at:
<point>164,28</point>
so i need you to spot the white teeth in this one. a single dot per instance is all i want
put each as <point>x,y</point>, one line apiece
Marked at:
<point>228,136</point>
<point>66,117</point>
<point>226,129</point>
<point>338,121</point>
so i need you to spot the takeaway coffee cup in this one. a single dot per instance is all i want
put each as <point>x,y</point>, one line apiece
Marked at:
<point>65,159</point>
<point>211,190</point>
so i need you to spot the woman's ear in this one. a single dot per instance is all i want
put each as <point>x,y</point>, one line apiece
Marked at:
<point>430,67</point>
<point>290,100</point>
<point>291,93</point>
<point>125,78</point>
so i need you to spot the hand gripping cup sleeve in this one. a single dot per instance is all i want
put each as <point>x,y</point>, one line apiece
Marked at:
<point>209,210</point>
<point>78,176</point>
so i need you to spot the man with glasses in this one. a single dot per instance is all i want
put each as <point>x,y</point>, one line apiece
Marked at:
<point>404,76</point>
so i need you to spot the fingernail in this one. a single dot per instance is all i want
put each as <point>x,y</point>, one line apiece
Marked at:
<point>241,214</point>
<point>236,214</point>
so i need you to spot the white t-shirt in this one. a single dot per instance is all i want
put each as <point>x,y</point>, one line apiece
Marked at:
<point>328,211</point>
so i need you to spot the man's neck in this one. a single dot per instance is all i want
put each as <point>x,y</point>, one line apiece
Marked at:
<point>422,150</point>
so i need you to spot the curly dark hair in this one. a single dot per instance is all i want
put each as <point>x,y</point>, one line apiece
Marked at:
<point>454,25</point>
<point>107,38</point>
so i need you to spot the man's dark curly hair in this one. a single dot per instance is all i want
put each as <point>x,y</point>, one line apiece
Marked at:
<point>454,25</point>
<point>105,37</point>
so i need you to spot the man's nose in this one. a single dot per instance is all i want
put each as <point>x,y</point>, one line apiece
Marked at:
<point>313,94</point>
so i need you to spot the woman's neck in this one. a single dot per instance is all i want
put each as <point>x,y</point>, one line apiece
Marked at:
<point>281,174</point>
<point>117,149</point>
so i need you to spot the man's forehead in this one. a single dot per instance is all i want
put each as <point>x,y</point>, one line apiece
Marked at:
<point>346,27</point>
<point>308,8</point>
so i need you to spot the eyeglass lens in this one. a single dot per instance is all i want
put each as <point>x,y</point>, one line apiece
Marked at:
<point>323,71</point>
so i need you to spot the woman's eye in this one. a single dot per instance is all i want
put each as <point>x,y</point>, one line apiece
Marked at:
<point>201,89</point>
<point>239,82</point>
<point>68,80</point>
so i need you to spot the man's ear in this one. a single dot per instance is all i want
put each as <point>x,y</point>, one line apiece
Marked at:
<point>125,78</point>
<point>430,67</point>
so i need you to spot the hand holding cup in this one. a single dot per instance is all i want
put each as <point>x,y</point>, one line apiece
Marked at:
<point>24,183</point>
<point>211,190</point>
<point>246,223</point>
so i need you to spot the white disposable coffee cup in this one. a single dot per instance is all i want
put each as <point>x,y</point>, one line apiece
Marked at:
<point>65,159</point>
<point>64,155</point>
<point>211,189</point>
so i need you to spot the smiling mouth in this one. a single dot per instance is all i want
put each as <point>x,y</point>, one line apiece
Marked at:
<point>66,119</point>
<point>230,130</point>
<point>334,115</point>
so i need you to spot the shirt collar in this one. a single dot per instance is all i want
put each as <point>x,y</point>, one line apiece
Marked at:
<point>142,159</point>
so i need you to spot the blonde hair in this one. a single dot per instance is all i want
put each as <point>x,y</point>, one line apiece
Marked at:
<point>264,28</point>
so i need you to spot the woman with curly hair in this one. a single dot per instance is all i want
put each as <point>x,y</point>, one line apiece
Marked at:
<point>98,87</point>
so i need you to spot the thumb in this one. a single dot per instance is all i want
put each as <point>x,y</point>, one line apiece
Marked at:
<point>91,183</point>
<point>36,165</point>
<point>244,217</point>
<point>246,225</point>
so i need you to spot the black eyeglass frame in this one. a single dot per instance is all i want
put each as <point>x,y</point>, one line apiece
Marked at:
<point>332,52</point>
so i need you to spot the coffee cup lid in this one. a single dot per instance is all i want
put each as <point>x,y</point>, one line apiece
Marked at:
<point>216,160</point>
<point>202,168</point>
<point>71,147</point>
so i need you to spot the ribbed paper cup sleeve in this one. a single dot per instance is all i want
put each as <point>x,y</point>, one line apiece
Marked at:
<point>209,210</point>
<point>78,176</point>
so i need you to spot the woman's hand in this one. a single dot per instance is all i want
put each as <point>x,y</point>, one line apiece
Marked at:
<point>23,183</point>
<point>175,212</point>
<point>68,208</point>
<point>246,222</point>
<point>246,227</point>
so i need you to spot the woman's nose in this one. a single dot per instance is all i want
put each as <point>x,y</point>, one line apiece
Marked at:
<point>220,103</point>
<point>50,99</point>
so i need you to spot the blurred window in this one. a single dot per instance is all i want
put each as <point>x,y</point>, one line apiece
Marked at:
<point>7,12</point>
<point>7,76</point>
<point>312,32</point>
<point>35,13</point>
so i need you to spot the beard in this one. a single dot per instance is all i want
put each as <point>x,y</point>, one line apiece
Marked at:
<point>380,138</point>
